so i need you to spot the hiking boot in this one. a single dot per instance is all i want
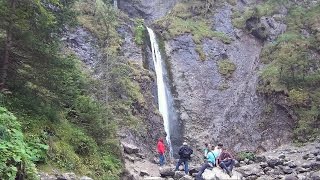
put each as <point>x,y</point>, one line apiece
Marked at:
<point>229,173</point>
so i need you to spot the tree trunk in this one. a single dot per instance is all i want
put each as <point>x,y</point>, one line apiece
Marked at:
<point>7,49</point>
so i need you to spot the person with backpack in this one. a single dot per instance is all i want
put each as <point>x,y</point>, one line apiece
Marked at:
<point>226,161</point>
<point>185,155</point>
<point>161,150</point>
<point>206,150</point>
<point>212,156</point>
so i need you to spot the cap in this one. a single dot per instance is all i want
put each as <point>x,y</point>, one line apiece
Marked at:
<point>185,143</point>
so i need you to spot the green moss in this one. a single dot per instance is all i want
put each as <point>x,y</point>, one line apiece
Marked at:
<point>139,31</point>
<point>226,68</point>
<point>201,53</point>
<point>199,29</point>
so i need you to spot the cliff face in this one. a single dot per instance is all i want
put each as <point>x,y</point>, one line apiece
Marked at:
<point>216,103</point>
<point>146,9</point>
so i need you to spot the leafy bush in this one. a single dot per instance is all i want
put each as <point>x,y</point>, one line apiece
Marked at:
<point>139,31</point>
<point>17,157</point>
<point>245,155</point>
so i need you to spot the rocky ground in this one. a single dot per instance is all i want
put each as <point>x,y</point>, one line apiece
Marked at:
<point>287,162</point>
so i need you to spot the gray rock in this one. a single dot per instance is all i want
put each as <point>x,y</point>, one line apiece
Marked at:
<point>263,164</point>
<point>274,162</point>
<point>291,164</point>
<point>85,178</point>
<point>306,165</point>
<point>250,170</point>
<point>130,148</point>
<point>302,177</point>
<point>291,177</point>
<point>287,170</point>
<point>315,175</point>
<point>186,177</point>
<point>218,174</point>
<point>67,176</point>
<point>222,21</point>
<point>146,9</point>
<point>154,178</point>
<point>166,171</point>
<point>302,170</point>
<point>261,158</point>
<point>282,156</point>
<point>179,174</point>
<point>318,158</point>
<point>144,173</point>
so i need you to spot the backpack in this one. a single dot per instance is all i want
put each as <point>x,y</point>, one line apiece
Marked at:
<point>185,152</point>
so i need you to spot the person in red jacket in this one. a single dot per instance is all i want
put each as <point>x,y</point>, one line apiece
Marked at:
<point>161,150</point>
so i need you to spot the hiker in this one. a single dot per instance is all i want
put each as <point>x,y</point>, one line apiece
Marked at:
<point>212,157</point>
<point>218,150</point>
<point>226,161</point>
<point>206,150</point>
<point>185,155</point>
<point>161,150</point>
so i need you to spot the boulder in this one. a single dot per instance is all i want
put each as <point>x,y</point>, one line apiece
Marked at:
<point>186,177</point>
<point>154,178</point>
<point>260,158</point>
<point>315,175</point>
<point>130,148</point>
<point>178,174</point>
<point>144,173</point>
<point>274,162</point>
<point>166,171</point>
<point>263,164</point>
<point>291,177</point>
<point>218,174</point>
<point>264,177</point>
<point>250,170</point>
<point>67,176</point>
<point>286,169</point>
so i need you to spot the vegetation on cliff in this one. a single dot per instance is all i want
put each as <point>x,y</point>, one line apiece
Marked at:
<point>292,70</point>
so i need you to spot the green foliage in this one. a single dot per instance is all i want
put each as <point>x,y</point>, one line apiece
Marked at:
<point>62,125</point>
<point>139,31</point>
<point>298,97</point>
<point>226,67</point>
<point>245,155</point>
<point>293,71</point>
<point>17,157</point>
<point>182,20</point>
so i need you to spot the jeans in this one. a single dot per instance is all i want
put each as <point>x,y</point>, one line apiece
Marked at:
<point>203,167</point>
<point>227,165</point>
<point>161,159</point>
<point>185,162</point>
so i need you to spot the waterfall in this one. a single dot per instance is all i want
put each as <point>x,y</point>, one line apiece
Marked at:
<point>162,89</point>
<point>115,4</point>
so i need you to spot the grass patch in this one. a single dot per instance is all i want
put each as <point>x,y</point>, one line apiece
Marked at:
<point>226,68</point>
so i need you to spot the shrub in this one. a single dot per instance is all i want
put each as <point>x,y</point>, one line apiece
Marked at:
<point>17,157</point>
<point>139,31</point>
<point>226,68</point>
<point>245,155</point>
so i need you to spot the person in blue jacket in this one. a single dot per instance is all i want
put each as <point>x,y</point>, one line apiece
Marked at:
<point>212,156</point>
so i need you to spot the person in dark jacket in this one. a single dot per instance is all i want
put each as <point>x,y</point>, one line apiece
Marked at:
<point>226,161</point>
<point>185,155</point>
<point>161,150</point>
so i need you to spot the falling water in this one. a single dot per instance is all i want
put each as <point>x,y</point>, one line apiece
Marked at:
<point>162,89</point>
<point>115,4</point>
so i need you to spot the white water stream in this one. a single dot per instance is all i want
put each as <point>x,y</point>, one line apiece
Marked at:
<point>115,4</point>
<point>162,95</point>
